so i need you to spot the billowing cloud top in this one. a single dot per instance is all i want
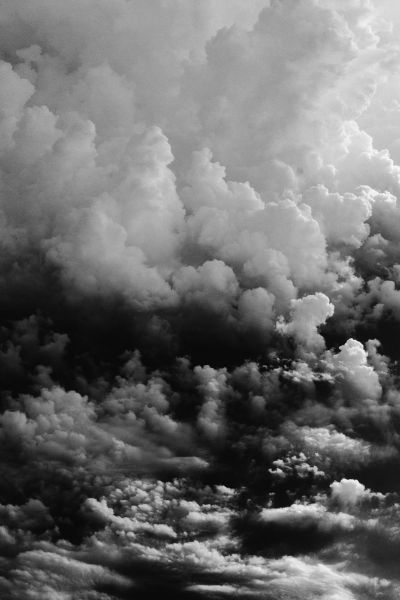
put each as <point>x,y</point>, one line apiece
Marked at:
<point>200,299</point>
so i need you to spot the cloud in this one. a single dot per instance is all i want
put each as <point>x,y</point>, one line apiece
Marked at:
<point>351,365</point>
<point>307,314</point>
<point>199,276</point>
<point>349,492</point>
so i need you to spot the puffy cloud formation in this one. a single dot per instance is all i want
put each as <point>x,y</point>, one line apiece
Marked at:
<point>200,303</point>
<point>308,313</point>
<point>351,366</point>
<point>349,492</point>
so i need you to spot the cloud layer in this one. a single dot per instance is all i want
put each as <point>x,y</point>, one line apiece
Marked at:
<point>199,277</point>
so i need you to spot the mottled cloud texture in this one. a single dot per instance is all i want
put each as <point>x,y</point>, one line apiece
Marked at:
<point>199,299</point>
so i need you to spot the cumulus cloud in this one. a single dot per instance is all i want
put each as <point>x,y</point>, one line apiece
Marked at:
<point>348,491</point>
<point>351,365</point>
<point>199,277</point>
<point>306,315</point>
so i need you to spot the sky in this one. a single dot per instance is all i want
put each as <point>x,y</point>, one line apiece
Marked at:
<point>199,299</point>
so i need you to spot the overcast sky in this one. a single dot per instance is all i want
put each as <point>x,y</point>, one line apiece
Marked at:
<point>199,299</point>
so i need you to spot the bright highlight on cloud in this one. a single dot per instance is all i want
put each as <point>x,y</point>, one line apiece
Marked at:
<point>200,302</point>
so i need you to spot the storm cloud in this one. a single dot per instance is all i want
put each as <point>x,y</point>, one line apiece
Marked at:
<point>199,299</point>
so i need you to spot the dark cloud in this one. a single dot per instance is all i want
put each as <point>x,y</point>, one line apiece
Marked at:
<point>199,300</point>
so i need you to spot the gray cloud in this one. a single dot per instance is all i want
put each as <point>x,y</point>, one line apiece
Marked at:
<point>199,296</point>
